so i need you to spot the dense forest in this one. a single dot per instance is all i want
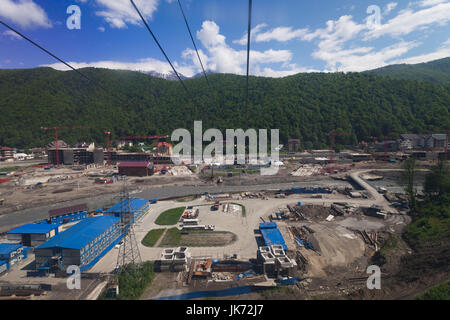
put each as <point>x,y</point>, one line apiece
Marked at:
<point>437,71</point>
<point>305,106</point>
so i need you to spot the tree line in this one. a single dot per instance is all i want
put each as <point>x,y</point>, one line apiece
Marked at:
<point>304,106</point>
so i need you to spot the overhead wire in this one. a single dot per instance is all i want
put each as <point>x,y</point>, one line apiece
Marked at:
<point>248,54</point>
<point>45,50</point>
<point>91,80</point>
<point>159,45</point>
<point>193,41</point>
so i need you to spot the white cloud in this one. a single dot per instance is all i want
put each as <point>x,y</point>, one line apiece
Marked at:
<point>427,3</point>
<point>101,29</point>
<point>119,13</point>
<point>334,49</point>
<point>12,35</point>
<point>143,65</point>
<point>220,57</point>
<point>408,20</point>
<point>25,13</point>
<point>281,34</point>
<point>389,7</point>
<point>254,31</point>
<point>368,58</point>
<point>217,56</point>
<point>442,52</point>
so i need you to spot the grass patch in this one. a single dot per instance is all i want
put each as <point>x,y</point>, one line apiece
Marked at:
<point>198,238</point>
<point>9,169</point>
<point>439,292</point>
<point>170,217</point>
<point>283,290</point>
<point>244,213</point>
<point>152,237</point>
<point>172,238</point>
<point>426,229</point>
<point>132,285</point>
<point>390,244</point>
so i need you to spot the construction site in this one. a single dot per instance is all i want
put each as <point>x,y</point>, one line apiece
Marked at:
<point>271,237</point>
<point>315,226</point>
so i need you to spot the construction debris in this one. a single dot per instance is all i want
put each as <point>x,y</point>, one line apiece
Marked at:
<point>308,170</point>
<point>179,171</point>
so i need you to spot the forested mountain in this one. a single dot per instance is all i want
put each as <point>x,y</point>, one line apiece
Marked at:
<point>305,106</point>
<point>437,71</point>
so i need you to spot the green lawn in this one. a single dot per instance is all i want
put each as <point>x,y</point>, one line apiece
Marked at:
<point>197,238</point>
<point>172,238</point>
<point>170,217</point>
<point>152,237</point>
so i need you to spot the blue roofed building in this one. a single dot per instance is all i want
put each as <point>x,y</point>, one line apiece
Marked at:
<point>83,245</point>
<point>10,254</point>
<point>138,208</point>
<point>32,235</point>
<point>68,214</point>
<point>272,235</point>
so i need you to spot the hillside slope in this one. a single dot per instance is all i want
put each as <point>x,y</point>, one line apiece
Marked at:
<point>305,106</point>
<point>435,71</point>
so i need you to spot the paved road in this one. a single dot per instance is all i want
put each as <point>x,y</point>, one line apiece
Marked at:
<point>17,218</point>
<point>376,197</point>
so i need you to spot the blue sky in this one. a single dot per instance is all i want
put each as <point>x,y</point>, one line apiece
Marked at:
<point>289,36</point>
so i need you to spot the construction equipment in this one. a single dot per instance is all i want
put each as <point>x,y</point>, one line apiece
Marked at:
<point>56,136</point>
<point>333,135</point>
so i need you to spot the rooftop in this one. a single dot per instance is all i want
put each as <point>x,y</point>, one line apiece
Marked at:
<point>142,164</point>
<point>67,210</point>
<point>33,229</point>
<point>81,234</point>
<point>135,205</point>
<point>273,236</point>
<point>7,248</point>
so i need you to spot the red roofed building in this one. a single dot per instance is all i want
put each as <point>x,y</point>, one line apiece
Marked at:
<point>136,169</point>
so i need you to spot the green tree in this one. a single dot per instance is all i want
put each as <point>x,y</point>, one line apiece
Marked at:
<point>437,183</point>
<point>407,179</point>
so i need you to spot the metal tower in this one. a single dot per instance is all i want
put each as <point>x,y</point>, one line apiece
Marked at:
<point>128,251</point>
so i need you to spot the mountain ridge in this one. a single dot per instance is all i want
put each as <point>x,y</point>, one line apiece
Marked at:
<point>305,106</point>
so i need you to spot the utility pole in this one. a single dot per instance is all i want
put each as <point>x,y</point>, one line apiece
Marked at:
<point>129,250</point>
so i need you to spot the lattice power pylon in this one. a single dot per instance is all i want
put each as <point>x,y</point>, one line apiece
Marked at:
<point>128,251</point>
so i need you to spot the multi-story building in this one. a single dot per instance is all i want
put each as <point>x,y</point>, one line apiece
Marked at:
<point>6,153</point>
<point>83,245</point>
